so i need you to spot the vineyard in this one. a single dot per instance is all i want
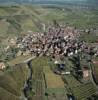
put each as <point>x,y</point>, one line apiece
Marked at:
<point>71,81</point>
<point>39,84</point>
<point>49,86</point>
<point>55,81</point>
<point>55,85</point>
<point>81,91</point>
<point>46,82</point>
<point>38,80</point>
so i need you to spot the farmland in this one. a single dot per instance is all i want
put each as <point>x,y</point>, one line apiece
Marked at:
<point>44,83</point>
<point>53,85</point>
<point>55,81</point>
<point>19,19</point>
<point>84,91</point>
<point>38,79</point>
<point>79,90</point>
<point>50,86</point>
<point>10,86</point>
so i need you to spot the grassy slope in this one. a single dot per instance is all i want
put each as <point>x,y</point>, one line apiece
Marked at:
<point>5,95</point>
<point>21,19</point>
<point>12,82</point>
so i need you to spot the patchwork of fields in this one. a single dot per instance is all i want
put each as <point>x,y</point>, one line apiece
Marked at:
<point>48,81</point>
<point>20,19</point>
<point>54,85</point>
<point>45,84</point>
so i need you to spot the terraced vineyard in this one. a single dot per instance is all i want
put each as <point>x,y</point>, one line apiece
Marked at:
<point>54,84</point>
<point>50,83</point>
<point>38,80</point>
<point>44,81</point>
<point>39,84</point>
<point>84,91</point>
<point>71,81</point>
<point>81,91</point>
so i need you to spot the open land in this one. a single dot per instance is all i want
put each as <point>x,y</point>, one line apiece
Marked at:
<point>18,23</point>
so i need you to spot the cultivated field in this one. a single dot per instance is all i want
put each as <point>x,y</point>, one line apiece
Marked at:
<point>84,90</point>
<point>79,90</point>
<point>52,80</point>
<point>45,81</point>
<point>38,79</point>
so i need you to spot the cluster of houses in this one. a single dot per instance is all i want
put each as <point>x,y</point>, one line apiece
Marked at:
<point>2,65</point>
<point>57,42</point>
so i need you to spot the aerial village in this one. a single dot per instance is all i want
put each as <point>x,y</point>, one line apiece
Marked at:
<point>59,43</point>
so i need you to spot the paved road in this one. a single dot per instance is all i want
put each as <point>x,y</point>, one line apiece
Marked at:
<point>29,59</point>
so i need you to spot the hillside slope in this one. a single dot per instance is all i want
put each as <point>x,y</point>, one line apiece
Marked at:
<point>20,19</point>
<point>12,82</point>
